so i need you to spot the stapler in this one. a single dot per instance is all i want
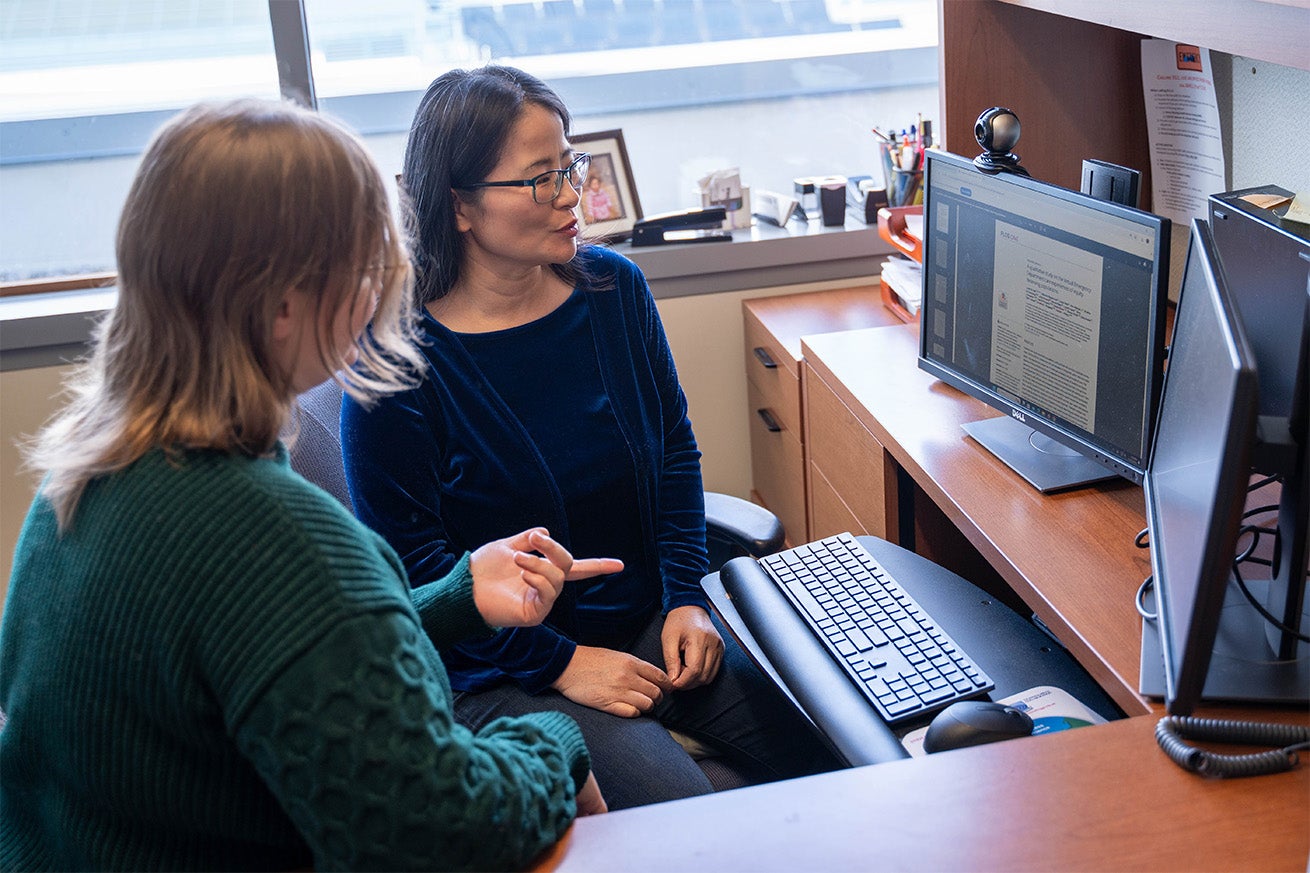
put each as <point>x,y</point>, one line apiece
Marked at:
<point>690,225</point>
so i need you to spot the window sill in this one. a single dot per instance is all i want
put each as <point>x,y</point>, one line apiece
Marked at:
<point>53,328</point>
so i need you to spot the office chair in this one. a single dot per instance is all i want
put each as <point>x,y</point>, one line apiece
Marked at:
<point>733,526</point>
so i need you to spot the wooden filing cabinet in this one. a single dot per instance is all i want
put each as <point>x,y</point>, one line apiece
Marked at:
<point>780,459</point>
<point>849,485</point>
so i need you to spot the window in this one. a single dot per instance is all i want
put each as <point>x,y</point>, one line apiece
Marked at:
<point>779,88</point>
<point>85,83</point>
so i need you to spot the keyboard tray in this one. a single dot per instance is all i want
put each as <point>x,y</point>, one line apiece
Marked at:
<point>1013,651</point>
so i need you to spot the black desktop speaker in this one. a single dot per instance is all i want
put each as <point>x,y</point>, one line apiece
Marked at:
<point>1106,181</point>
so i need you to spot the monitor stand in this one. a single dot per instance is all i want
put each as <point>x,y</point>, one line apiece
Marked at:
<point>1243,668</point>
<point>1044,463</point>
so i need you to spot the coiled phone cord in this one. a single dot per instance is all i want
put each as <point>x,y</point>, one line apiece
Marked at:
<point>1171,730</point>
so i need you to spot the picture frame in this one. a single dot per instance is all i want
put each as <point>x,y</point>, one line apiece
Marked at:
<point>609,187</point>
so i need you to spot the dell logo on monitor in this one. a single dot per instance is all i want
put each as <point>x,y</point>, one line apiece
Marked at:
<point>1018,416</point>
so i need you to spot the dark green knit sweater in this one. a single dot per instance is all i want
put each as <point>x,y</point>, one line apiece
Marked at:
<point>218,667</point>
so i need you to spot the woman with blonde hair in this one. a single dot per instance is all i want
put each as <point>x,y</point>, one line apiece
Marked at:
<point>205,660</point>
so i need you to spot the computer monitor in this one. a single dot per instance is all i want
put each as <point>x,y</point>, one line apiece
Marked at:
<point>1048,305</point>
<point>1207,640</point>
<point>1266,260</point>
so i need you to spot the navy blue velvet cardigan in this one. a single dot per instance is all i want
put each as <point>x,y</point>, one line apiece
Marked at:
<point>443,468</point>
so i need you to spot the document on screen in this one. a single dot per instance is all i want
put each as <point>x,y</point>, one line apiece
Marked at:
<point>1046,323</point>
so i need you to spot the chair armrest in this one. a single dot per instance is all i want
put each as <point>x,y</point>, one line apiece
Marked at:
<point>742,526</point>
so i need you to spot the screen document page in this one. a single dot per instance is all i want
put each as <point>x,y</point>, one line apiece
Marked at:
<point>1046,325</point>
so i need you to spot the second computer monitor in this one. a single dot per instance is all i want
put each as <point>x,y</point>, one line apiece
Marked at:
<point>1049,305</point>
<point>1208,640</point>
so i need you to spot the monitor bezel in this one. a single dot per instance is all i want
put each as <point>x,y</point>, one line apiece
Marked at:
<point>1187,660</point>
<point>1109,457</point>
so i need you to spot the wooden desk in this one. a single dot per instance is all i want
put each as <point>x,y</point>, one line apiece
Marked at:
<point>1099,798</point>
<point>1096,798</point>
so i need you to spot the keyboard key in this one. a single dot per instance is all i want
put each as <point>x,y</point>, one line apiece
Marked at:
<point>936,694</point>
<point>902,707</point>
<point>862,642</point>
<point>807,601</point>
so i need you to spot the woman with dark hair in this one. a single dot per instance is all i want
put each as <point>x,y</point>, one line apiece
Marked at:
<point>551,392</point>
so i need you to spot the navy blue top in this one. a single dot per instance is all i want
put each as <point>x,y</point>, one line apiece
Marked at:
<point>565,408</point>
<point>577,424</point>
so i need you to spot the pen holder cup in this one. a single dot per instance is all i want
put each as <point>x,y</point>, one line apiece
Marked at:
<point>908,188</point>
<point>904,185</point>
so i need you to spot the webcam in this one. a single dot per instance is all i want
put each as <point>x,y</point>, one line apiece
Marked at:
<point>997,131</point>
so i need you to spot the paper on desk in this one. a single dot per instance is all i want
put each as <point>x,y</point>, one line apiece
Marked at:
<point>1299,210</point>
<point>905,278</point>
<point>1051,709</point>
<point>1182,126</point>
<point>1266,201</point>
<point>914,225</point>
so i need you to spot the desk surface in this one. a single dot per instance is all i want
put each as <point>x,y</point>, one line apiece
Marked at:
<point>1098,798</point>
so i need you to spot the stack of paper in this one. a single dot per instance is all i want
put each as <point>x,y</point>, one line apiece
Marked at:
<point>905,278</point>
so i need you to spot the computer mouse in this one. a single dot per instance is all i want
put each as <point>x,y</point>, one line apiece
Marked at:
<point>974,722</point>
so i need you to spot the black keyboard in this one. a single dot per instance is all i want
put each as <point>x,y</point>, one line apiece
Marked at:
<point>895,653</point>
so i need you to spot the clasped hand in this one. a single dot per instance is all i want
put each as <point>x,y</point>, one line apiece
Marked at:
<point>625,685</point>
<point>513,587</point>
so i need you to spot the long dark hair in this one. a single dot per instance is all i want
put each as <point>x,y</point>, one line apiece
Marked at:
<point>459,133</point>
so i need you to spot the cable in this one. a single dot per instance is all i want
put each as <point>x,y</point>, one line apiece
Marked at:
<point>1139,601</point>
<point>1143,541</point>
<point>1256,533</point>
<point>1266,614</point>
<point>1171,730</point>
<point>1268,480</point>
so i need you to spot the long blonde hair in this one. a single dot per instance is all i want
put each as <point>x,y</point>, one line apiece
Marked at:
<point>233,205</point>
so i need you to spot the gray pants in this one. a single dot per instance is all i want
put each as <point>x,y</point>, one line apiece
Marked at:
<point>741,715</point>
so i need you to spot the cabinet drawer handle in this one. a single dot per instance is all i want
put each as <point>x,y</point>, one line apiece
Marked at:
<point>769,421</point>
<point>767,361</point>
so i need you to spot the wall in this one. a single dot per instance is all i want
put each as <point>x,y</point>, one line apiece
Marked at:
<point>27,398</point>
<point>1265,115</point>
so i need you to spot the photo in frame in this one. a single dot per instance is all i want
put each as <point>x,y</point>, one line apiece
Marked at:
<point>608,206</point>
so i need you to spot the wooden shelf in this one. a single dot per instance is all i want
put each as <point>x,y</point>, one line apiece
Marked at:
<point>1277,31</point>
<point>1072,71</point>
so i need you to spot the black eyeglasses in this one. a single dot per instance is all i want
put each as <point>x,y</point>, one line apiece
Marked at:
<point>546,187</point>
